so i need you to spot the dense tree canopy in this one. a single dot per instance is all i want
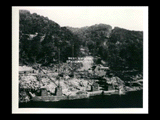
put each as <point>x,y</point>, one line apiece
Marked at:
<point>122,49</point>
<point>126,49</point>
<point>40,40</point>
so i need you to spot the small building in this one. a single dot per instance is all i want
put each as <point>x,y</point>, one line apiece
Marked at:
<point>95,87</point>
<point>99,70</point>
<point>110,87</point>
<point>58,91</point>
<point>43,91</point>
<point>26,70</point>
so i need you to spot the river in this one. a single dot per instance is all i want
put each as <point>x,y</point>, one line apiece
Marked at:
<point>130,100</point>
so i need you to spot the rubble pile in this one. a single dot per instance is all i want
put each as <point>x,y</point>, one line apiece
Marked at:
<point>23,97</point>
<point>29,82</point>
<point>49,78</point>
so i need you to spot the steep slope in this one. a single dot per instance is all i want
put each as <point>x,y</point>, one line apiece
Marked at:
<point>89,32</point>
<point>125,49</point>
<point>93,37</point>
<point>40,40</point>
<point>32,23</point>
<point>121,48</point>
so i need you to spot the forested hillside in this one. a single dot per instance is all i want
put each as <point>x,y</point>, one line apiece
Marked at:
<point>125,49</point>
<point>91,35</point>
<point>95,38</point>
<point>122,49</point>
<point>40,39</point>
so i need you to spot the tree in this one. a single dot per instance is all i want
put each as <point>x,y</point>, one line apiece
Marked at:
<point>125,50</point>
<point>35,48</point>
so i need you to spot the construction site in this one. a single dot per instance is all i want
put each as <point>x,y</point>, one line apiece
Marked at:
<point>64,82</point>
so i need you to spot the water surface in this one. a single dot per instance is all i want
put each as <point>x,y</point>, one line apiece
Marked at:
<point>130,100</point>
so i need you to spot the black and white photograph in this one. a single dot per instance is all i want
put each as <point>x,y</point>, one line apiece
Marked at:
<point>70,59</point>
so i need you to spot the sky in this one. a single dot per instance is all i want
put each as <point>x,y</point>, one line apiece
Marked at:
<point>125,17</point>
